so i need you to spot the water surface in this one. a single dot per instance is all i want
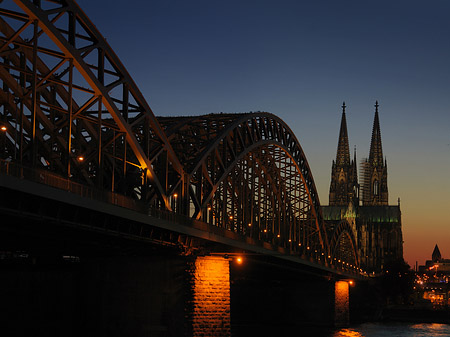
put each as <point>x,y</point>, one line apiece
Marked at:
<point>394,330</point>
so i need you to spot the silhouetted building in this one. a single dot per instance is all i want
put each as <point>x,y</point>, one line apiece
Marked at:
<point>432,280</point>
<point>437,264</point>
<point>436,256</point>
<point>376,225</point>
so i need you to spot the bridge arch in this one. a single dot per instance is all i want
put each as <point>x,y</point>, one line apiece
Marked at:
<point>248,173</point>
<point>343,248</point>
<point>71,107</point>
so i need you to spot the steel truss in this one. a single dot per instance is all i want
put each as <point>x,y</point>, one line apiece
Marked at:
<point>69,105</point>
<point>343,247</point>
<point>247,173</point>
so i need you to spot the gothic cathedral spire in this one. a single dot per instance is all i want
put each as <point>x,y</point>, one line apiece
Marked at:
<point>376,151</point>
<point>375,189</point>
<point>343,152</point>
<point>344,182</point>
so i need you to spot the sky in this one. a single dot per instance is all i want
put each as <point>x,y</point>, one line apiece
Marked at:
<point>300,60</point>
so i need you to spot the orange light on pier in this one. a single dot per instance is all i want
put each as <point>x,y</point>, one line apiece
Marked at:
<point>211,281</point>
<point>3,128</point>
<point>80,158</point>
<point>239,260</point>
<point>175,195</point>
<point>341,306</point>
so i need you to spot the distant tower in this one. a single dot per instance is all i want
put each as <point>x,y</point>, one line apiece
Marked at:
<point>436,256</point>
<point>374,170</point>
<point>344,180</point>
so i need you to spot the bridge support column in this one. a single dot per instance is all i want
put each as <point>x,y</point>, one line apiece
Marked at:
<point>210,307</point>
<point>341,304</point>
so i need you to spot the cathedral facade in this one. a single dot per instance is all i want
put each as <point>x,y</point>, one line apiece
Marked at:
<point>363,203</point>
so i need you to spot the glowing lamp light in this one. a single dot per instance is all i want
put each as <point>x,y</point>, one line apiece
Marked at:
<point>231,217</point>
<point>175,195</point>
<point>209,208</point>
<point>239,260</point>
<point>265,231</point>
<point>290,240</point>
<point>249,225</point>
<point>80,158</point>
<point>3,128</point>
<point>350,282</point>
<point>278,235</point>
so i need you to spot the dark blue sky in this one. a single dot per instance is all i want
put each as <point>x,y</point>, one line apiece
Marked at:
<point>300,60</point>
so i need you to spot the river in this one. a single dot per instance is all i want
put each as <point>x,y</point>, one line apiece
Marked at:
<point>361,330</point>
<point>393,330</point>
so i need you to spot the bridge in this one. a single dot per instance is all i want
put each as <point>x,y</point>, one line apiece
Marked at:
<point>87,169</point>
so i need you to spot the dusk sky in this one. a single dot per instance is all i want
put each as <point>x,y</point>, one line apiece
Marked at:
<point>299,60</point>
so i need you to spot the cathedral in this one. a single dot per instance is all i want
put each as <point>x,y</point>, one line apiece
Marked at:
<point>363,203</point>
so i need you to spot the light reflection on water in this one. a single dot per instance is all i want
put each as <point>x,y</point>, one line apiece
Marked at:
<point>395,330</point>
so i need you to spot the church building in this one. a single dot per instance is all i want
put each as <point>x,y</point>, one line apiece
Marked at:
<point>364,203</point>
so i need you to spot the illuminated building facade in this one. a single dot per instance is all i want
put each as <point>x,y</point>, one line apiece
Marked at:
<point>364,205</point>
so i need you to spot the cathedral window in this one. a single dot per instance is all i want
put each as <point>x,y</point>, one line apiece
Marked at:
<point>375,187</point>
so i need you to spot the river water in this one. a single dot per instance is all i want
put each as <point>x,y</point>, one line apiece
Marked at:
<point>393,330</point>
<point>361,330</point>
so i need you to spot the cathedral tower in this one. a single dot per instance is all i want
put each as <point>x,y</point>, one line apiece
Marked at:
<point>344,180</point>
<point>375,188</point>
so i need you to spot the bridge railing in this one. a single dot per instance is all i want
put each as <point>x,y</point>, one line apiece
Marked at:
<point>51,179</point>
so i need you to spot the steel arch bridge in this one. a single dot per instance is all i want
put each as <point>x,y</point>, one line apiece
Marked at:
<point>248,173</point>
<point>68,106</point>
